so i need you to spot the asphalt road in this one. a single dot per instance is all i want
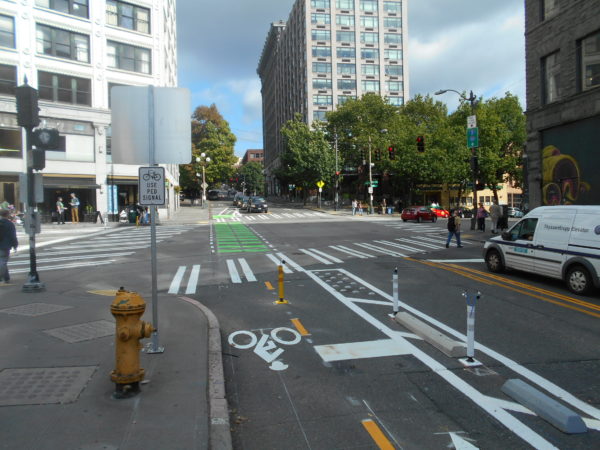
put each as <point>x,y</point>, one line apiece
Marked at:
<point>331,370</point>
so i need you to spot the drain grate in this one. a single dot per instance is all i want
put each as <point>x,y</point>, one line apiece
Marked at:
<point>34,309</point>
<point>83,331</point>
<point>39,386</point>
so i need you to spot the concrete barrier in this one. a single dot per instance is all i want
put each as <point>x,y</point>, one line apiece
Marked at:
<point>429,334</point>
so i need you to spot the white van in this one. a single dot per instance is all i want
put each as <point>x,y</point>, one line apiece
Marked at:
<point>556,241</point>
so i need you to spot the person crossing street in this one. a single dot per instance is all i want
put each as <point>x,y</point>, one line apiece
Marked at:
<point>454,229</point>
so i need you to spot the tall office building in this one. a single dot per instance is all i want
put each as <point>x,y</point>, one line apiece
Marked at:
<point>329,51</point>
<point>73,52</point>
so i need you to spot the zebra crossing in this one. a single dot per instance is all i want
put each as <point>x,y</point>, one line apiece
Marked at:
<point>414,227</point>
<point>93,251</point>
<point>241,270</point>
<point>233,215</point>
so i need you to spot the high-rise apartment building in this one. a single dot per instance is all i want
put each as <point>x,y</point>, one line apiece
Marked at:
<point>73,52</point>
<point>329,51</point>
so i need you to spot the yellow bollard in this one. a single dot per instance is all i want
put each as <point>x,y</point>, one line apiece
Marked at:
<point>282,299</point>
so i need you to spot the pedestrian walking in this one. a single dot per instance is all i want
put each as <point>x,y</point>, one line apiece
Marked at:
<point>495,214</point>
<point>354,206</point>
<point>8,240</point>
<point>74,202</point>
<point>481,215</point>
<point>454,222</point>
<point>60,211</point>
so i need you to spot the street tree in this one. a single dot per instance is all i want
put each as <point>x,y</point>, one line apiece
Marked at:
<point>251,174</point>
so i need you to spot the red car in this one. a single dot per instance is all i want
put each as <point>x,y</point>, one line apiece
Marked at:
<point>418,213</point>
<point>440,212</point>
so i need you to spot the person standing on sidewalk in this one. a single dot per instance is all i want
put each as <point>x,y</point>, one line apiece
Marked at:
<point>60,211</point>
<point>454,229</point>
<point>354,206</point>
<point>8,240</point>
<point>360,208</point>
<point>495,213</point>
<point>481,214</point>
<point>74,208</point>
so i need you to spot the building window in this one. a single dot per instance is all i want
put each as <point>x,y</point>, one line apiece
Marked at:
<point>392,38</point>
<point>79,8</point>
<point>370,69</point>
<point>10,143</point>
<point>392,22</point>
<point>322,100</point>
<point>550,78</point>
<point>590,61</point>
<point>368,5</point>
<point>392,54</point>
<point>393,86</point>
<point>395,101</point>
<point>369,53</point>
<point>7,31</point>
<point>128,57</point>
<point>63,43</point>
<point>321,83</point>
<point>369,22</point>
<point>344,98</point>
<point>346,69</point>
<point>320,115</point>
<point>124,15</point>
<point>321,52</point>
<point>549,9</point>
<point>344,4</point>
<point>369,38</point>
<point>321,35</point>
<point>320,18</point>
<point>8,79</point>
<point>370,85</point>
<point>319,4</point>
<point>392,7</point>
<point>64,88</point>
<point>395,71</point>
<point>346,85</point>
<point>344,20</point>
<point>346,52</point>
<point>321,67</point>
<point>345,36</point>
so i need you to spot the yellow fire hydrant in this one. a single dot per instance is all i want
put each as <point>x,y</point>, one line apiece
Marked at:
<point>127,308</point>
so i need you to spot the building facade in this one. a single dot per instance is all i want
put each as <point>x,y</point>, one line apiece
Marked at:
<point>562,39</point>
<point>329,51</point>
<point>73,52</point>
<point>253,155</point>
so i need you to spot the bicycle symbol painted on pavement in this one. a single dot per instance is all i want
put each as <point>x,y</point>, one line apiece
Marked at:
<point>266,347</point>
<point>152,174</point>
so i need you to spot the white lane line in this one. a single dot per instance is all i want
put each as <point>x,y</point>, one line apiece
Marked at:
<point>66,266</point>
<point>473,260</point>
<point>332,258</point>
<point>287,260</point>
<point>176,281</point>
<point>277,262</point>
<point>246,269</point>
<point>403,247</point>
<point>380,250</point>
<point>233,273</point>
<point>193,280</point>
<point>317,257</point>
<point>351,252</point>
<point>222,212</point>
<point>71,258</point>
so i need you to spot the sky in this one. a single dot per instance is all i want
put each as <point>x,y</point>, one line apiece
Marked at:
<point>463,45</point>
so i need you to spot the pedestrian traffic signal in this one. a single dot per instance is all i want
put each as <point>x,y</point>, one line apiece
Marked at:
<point>420,144</point>
<point>38,159</point>
<point>377,155</point>
<point>391,153</point>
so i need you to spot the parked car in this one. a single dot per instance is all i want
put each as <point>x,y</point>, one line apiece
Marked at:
<point>242,202</point>
<point>515,212</point>
<point>464,212</point>
<point>418,213</point>
<point>555,241</point>
<point>441,212</point>
<point>257,204</point>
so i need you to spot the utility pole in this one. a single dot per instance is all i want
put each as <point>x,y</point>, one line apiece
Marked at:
<point>337,175</point>
<point>370,180</point>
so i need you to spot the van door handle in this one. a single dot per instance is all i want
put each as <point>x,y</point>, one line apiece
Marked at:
<point>540,246</point>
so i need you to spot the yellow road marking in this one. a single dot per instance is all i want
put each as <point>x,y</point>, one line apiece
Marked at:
<point>377,435</point>
<point>269,285</point>
<point>300,327</point>
<point>106,292</point>
<point>464,272</point>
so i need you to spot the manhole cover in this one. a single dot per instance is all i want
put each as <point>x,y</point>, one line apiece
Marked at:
<point>40,386</point>
<point>34,309</point>
<point>83,331</point>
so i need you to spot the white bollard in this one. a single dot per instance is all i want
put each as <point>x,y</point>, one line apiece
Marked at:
<point>394,293</point>
<point>471,325</point>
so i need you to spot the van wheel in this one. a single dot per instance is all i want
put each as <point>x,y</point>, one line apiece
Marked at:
<point>579,280</point>
<point>493,261</point>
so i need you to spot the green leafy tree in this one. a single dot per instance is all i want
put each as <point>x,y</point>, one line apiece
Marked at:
<point>252,175</point>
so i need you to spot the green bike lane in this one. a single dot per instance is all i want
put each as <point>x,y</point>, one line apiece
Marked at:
<point>234,237</point>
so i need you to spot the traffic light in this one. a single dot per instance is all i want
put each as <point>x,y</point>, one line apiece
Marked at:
<point>391,153</point>
<point>420,144</point>
<point>377,155</point>
<point>474,164</point>
<point>27,106</point>
<point>38,159</point>
<point>46,139</point>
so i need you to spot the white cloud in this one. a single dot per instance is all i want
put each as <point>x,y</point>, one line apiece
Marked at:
<point>249,89</point>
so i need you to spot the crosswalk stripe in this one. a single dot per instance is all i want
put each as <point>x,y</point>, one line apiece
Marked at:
<point>193,280</point>
<point>351,252</point>
<point>71,258</point>
<point>277,262</point>
<point>424,244</point>
<point>246,268</point>
<point>332,258</point>
<point>233,273</point>
<point>277,216</point>
<point>263,217</point>
<point>288,215</point>
<point>66,266</point>
<point>440,240</point>
<point>176,281</point>
<point>403,247</point>
<point>317,257</point>
<point>290,262</point>
<point>380,249</point>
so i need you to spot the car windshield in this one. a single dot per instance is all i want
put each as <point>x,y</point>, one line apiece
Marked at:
<point>257,199</point>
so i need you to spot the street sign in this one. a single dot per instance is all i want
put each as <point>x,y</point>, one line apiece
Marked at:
<point>204,185</point>
<point>471,121</point>
<point>320,184</point>
<point>373,183</point>
<point>320,189</point>
<point>473,137</point>
<point>152,186</point>
<point>370,190</point>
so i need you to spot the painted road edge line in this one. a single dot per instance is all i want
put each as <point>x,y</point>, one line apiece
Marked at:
<point>303,331</point>
<point>377,435</point>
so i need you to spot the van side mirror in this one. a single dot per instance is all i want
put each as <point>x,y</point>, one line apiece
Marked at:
<point>506,236</point>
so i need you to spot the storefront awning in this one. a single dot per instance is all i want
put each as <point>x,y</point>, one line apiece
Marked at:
<point>70,182</point>
<point>122,180</point>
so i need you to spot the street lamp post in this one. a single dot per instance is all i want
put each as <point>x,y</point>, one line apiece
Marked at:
<point>474,164</point>
<point>370,180</point>
<point>203,160</point>
<point>337,176</point>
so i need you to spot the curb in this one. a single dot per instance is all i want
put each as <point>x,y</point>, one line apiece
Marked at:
<point>219,428</point>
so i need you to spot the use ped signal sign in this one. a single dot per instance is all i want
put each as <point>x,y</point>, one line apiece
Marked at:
<point>152,186</point>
